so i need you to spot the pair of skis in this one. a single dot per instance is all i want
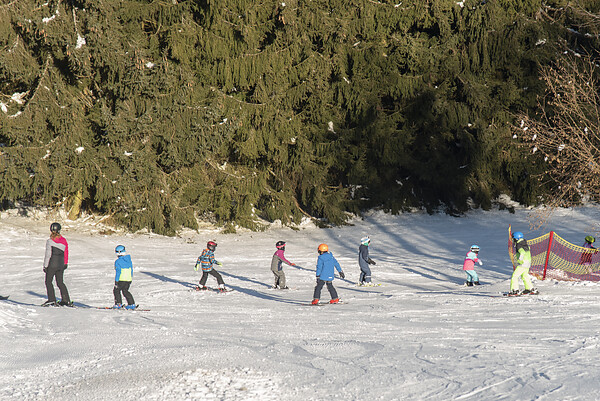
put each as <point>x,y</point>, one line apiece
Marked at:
<point>324,303</point>
<point>208,289</point>
<point>72,305</point>
<point>57,304</point>
<point>137,308</point>
<point>520,294</point>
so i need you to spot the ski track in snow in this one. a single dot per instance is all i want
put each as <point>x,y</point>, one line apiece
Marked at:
<point>421,335</point>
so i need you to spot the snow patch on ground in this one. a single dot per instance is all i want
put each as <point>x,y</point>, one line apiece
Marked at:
<point>420,335</point>
<point>224,384</point>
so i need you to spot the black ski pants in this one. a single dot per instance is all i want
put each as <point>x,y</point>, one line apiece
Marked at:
<point>123,287</point>
<point>213,273</point>
<point>58,273</point>
<point>330,288</point>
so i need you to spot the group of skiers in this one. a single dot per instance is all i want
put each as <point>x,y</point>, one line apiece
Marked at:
<point>523,259</point>
<point>325,272</point>
<point>326,267</point>
<point>56,261</point>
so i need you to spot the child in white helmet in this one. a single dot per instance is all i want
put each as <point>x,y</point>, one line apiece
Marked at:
<point>364,261</point>
<point>123,279</point>
<point>469,265</point>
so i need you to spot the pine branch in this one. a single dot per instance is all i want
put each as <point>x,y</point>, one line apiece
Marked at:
<point>210,163</point>
<point>9,4</point>
<point>233,98</point>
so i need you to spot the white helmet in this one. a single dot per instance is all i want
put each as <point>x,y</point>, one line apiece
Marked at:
<point>365,240</point>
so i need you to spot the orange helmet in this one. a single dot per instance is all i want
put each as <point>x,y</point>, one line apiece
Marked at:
<point>323,248</point>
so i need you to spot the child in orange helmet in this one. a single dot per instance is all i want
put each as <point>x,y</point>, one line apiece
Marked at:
<point>326,266</point>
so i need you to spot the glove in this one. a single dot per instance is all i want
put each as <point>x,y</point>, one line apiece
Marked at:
<point>219,263</point>
<point>196,267</point>
<point>342,275</point>
<point>66,265</point>
<point>371,262</point>
<point>480,263</point>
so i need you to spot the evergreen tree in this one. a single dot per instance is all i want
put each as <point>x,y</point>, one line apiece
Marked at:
<point>160,113</point>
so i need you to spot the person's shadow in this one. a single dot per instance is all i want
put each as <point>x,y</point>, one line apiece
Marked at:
<point>166,279</point>
<point>43,296</point>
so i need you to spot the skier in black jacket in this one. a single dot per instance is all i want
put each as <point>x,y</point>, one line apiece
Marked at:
<point>56,259</point>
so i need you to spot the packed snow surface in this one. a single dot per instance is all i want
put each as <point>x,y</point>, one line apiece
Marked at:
<point>421,335</point>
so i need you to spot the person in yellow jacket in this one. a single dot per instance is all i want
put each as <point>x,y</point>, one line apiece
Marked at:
<point>523,255</point>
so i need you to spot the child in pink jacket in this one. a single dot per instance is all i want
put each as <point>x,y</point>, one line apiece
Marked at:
<point>277,267</point>
<point>469,266</point>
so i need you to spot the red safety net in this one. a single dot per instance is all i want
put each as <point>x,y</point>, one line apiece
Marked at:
<point>556,258</point>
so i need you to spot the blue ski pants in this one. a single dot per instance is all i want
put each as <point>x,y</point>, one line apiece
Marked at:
<point>471,276</point>
<point>365,274</point>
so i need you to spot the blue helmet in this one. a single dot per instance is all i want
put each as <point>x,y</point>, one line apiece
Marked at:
<point>474,248</point>
<point>517,235</point>
<point>120,249</point>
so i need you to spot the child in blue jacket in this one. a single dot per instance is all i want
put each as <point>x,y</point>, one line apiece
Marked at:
<point>123,279</point>
<point>326,266</point>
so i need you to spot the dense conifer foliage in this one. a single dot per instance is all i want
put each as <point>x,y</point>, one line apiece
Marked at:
<point>158,113</point>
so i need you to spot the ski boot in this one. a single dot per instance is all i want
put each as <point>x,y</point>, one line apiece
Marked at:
<point>315,302</point>
<point>203,288</point>
<point>131,307</point>
<point>117,306</point>
<point>476,283</point>
<point>50,303</point>
<point>335,301</point>
<point>65,303</point>
<point>469,284</point>
<point>513,293</point>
